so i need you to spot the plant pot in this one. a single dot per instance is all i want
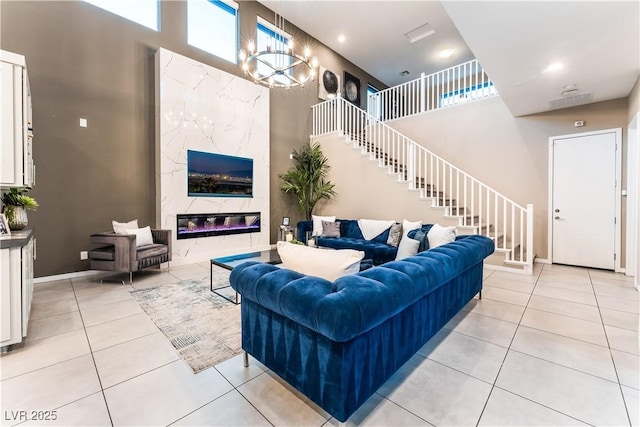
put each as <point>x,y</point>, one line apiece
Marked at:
<point>16,217</point>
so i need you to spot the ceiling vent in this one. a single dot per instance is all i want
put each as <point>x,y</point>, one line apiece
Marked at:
<point>404,73</point>
<point>571,100</point>
<point>420,33</point>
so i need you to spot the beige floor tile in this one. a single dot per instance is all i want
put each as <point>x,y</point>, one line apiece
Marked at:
<point>378,411</point>
<point>474,357</point>
<point>86,302</point>
<point>89,411</point>
<point>632,400</point>
<point>583,285</point>
<point>526,278</point>
<point>620,319</point>
<point>622,339</point>
<point>619,304</point>
<point>436,393</point>
<point>234,371</point>
<point>230,409</point>
<point>566,326</point>
<point>43,352</point>
<point>51,295</point>
<point>564,269</point>
<point>482,327</point>
<point>91,285</point>
<point>46,309</point>
<point>496,309</point>
<point>566,294</point>
<point>512,285</point>
<point>164,395</point>
<point>589,358</point>
<point>58,285</point>
<point>622,292</point>
<point>507,409</point>
<point>132,358</point>
<point>108,312</point>
<point>280,403</point>
<point>54,325</point>
<point>565,308</point>
<point>587,398</point>
<point>627,367</point>
<point>506,296</point>
<point>118,331</point>
<point>51,387</point>
<point>604,276</point>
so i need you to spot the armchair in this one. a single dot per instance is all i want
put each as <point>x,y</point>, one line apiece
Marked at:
<point>121,254</point>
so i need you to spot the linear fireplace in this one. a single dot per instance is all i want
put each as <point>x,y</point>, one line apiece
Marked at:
<point>203,225</point>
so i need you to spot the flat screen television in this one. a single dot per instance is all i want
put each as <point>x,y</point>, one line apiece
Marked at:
<point>218,175</point>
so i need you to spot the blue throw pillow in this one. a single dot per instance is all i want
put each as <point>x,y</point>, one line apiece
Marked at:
<point>420,235</point>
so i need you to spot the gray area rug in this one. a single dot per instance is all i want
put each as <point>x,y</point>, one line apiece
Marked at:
<point>203,327</point>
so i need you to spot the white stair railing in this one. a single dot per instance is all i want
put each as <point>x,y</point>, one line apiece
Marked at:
<point>455,85</point>
<point>478,208</point>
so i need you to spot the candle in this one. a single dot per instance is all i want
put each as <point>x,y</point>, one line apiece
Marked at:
<point>289,236</point>
<point>311,242</point>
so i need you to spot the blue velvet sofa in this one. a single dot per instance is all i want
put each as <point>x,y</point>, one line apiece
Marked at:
<point>351,237</point>
<point>338,342</point>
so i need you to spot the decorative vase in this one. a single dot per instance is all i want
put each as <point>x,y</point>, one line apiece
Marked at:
<point>16,217</point>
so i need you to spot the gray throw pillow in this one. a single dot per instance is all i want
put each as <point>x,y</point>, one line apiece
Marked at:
<point>330,229</point>
<point>395,234</point>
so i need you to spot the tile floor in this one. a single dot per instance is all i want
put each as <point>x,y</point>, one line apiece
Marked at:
<point>556,348</point>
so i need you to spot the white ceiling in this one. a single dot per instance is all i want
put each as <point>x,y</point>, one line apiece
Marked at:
<point>597,42</point>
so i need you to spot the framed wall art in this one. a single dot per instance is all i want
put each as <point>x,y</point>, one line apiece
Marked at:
<point>352,89</point>
<point>328,84</point>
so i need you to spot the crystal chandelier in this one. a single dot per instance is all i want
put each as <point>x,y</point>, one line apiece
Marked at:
<point>278,65</point>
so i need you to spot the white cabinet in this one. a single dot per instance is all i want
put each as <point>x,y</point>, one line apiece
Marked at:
<point>16,287</point>
<point>16,126</point>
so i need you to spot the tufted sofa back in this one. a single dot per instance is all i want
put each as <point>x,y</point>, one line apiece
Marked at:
<point>352,305</point>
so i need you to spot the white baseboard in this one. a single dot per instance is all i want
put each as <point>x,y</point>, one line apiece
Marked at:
<point>542,260</point>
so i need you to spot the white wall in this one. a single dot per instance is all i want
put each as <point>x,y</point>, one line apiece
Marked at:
<point>201,108</point>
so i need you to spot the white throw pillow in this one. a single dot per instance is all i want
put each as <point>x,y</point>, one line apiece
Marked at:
<point>439,235</point>
<point>120,227</point>
<point>407,247</point>
<point>317,223</point>
<point>143,235</point>
<point>325,263</point>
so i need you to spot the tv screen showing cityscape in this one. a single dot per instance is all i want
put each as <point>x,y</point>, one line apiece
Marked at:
<point>218,175</point>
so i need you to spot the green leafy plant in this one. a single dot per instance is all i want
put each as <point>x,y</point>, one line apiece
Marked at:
<point>307,180</point>
<point>17,197</point>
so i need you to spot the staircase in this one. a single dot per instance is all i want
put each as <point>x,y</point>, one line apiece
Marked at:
<point>475,207</point>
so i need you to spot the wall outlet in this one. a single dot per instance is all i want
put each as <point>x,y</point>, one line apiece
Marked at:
<point>84,255</point>
<point>578,123</point>
<point>83,123</point>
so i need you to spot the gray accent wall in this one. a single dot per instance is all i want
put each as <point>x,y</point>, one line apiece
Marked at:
<point>84,62</point>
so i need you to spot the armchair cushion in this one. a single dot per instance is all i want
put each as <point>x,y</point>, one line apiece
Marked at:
<point>143,235</point>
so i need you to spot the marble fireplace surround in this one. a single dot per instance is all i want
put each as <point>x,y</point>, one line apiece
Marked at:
<point>201,108</point>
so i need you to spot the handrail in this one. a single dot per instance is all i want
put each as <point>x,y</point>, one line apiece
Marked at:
<point>478,207</point>
<point>461,83</point>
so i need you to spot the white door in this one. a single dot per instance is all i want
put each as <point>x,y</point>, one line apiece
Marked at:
<point>584,200</point>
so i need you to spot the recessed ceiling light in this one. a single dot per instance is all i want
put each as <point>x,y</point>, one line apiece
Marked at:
<point>446,53</point>
<point>341,38</point>
<point>553,67</point>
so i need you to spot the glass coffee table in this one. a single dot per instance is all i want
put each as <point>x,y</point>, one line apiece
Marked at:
<point>229,262</point>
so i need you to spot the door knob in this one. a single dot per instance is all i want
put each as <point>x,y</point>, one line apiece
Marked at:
<point>557,217</point>
<point>557,210</point>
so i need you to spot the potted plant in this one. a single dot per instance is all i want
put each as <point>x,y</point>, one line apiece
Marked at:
<point>15,203</point>
<point>307,180</point>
